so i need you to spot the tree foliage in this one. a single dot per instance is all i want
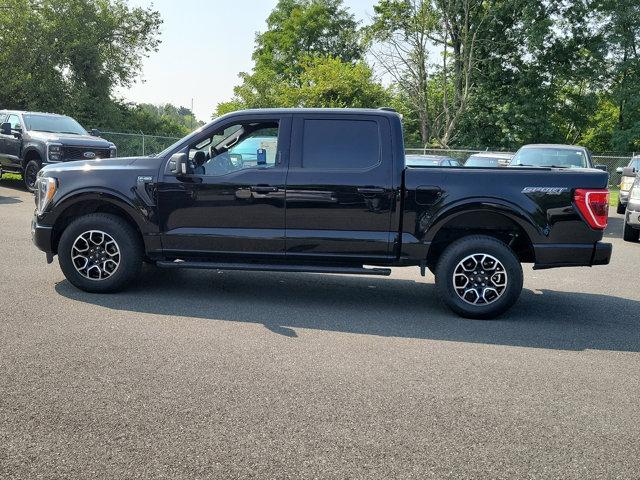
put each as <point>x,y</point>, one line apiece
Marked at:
<point>69,56</point>
<point>309,56</point>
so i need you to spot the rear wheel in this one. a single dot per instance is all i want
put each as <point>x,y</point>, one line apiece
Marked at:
<point>630,234</point>
<point>621,208</point>
<point>30,174</point>
<point>478,277</point>
<point>100,253</point>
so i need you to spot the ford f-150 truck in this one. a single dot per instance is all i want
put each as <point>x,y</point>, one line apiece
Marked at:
<point>326,191</point>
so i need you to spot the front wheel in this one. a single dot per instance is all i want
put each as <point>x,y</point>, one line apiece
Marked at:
<point>100,253</point>
<point>30,174</point>
<point>621,208</point>
<point>478,277</point>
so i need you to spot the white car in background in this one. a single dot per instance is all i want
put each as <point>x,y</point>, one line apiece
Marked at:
<point>628,177</point>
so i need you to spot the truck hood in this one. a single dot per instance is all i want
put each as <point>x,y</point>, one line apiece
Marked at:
<point>73,140</point>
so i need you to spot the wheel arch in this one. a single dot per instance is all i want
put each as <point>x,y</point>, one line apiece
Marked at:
<point>504,222</point>
<point>30,153</point>
<point>82,204</point>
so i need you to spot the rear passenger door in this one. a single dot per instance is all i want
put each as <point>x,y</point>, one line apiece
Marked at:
<point>339,188</point>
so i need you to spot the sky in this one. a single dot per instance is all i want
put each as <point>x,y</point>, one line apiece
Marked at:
<point>205,44</point>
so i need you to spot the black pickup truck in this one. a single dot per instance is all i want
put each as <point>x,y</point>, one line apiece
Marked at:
<point>318,190</point>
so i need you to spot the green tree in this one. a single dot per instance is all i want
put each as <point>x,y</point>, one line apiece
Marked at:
<point>68,56</point>
<point>621,28</point>
<point>301,36</point>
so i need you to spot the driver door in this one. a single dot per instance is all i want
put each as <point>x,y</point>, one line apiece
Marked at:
<point>232,202</point>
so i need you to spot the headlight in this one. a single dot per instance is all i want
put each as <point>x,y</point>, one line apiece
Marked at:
<point>113,151</point>
<point>54,152</point>
<point>626,183</point>
<point>635,191</point>
<point>45,190</point>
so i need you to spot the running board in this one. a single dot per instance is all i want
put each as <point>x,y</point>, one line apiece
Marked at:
<point>264,267</point>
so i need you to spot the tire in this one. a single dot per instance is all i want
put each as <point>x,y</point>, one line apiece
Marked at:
<point>630,234</point>
<point>503,277</point>
<point>30,174</point>
<point>621,208</point>
<point>105,270</point>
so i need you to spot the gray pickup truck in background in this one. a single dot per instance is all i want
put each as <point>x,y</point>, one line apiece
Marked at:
<point>30,140</point>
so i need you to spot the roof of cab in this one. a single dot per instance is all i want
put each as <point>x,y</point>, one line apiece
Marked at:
<point>343,111</point>
<point>559,146</point>
<point>22,112</point>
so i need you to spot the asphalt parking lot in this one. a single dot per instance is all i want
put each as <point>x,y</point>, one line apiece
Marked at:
<point>195,374</point>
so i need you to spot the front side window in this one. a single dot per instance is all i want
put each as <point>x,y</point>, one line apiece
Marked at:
<point>340,144</point>
<point>14,121</point>
<point>53,124</point>
<point>236,147</point>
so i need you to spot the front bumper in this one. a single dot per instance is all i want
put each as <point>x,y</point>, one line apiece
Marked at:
<point>42,236</point>
<point>571,255</point>
<point>632,215</point>
<point>623,197</point>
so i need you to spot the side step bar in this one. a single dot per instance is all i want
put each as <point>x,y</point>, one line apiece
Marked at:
<point>260,267</point>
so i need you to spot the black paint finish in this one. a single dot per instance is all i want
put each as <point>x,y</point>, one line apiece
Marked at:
<point>379,213</point>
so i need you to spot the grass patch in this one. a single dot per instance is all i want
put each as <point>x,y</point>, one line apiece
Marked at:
<point>614,193</point>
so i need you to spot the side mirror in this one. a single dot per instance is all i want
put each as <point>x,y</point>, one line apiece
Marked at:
<point>628,172</point>
<point>5,128</point>
<point>619,170</point>
<point>178,164</point>
<point>601,167</point>
<point>95,132</point>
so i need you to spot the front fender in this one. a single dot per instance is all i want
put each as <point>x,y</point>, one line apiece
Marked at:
<point>140,214</point>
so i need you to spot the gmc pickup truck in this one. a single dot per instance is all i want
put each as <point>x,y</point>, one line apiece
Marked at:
<point>320,190</point>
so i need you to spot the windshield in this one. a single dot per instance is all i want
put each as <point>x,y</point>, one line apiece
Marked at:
<point>53,124</point>
<point>417,161</point>
<point>481,162</point>
<point>551,157</point>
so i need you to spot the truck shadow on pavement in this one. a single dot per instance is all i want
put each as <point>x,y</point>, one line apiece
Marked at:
<point>614,228</point>
<point>284,303</point>
<point>13,183</point>
<point>9,200</point>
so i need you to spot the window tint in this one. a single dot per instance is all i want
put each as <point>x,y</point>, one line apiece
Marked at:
<point>14,121</point>
<point>340,144</point>
<point>237,147</point>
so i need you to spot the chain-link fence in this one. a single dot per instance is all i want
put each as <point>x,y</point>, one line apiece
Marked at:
<point>611,161</point>
<point>136,144</point>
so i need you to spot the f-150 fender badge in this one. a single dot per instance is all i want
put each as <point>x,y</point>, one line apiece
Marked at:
<point>545,190</point>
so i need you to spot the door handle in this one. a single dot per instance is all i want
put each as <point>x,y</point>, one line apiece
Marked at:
<point>370,191</point>
<point>263,189</point>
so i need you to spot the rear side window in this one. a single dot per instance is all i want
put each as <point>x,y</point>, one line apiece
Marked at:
<point>340,144</point>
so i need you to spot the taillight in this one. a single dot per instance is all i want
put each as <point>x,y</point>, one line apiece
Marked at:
<point>594,206</point>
